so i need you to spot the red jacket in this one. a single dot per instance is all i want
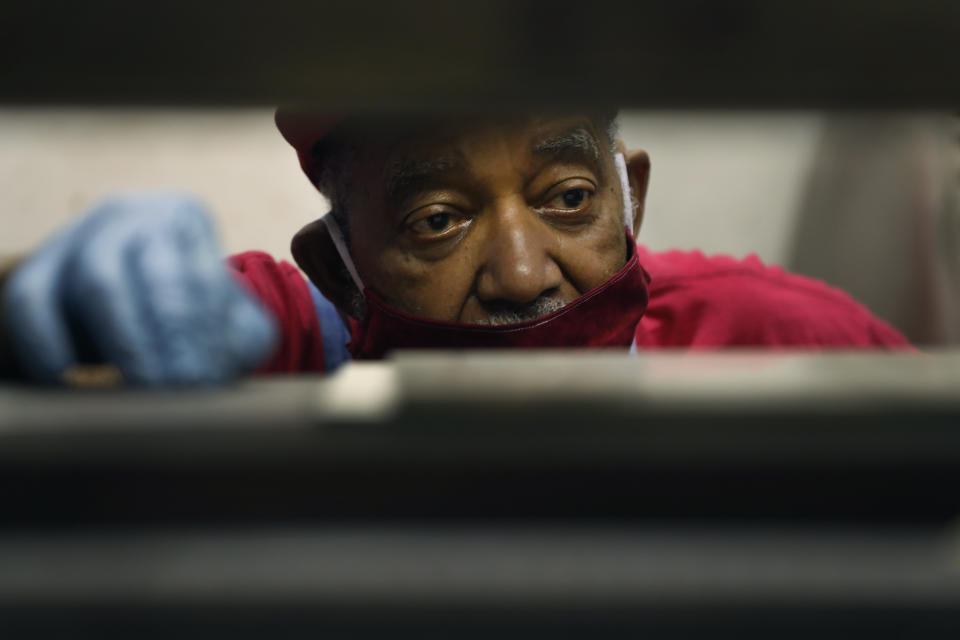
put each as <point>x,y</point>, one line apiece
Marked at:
<point>696,301</point>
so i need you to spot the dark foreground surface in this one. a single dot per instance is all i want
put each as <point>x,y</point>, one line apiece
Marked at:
<point>514,495</point>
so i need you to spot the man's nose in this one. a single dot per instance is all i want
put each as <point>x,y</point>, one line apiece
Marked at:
<point>518,266</point>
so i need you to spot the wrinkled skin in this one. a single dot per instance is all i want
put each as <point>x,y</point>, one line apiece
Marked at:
<point>497,232</point>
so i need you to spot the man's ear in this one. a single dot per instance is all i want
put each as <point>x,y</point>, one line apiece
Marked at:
<point>314,252</point>
<point>638,174</point>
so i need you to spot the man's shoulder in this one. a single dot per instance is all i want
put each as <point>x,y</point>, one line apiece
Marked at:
<point>730,279</point>
<point>718,300</point>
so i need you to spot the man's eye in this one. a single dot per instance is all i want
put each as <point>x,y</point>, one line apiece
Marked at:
<point>438,221</point>
<point>571,199</point>
<point>434,224</point>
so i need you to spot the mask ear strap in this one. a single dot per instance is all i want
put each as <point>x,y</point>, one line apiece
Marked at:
<point>621,163</point>
<point>340,243</point>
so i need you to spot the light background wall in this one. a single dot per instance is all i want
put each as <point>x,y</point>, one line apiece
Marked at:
<point>56,163</point>
<point>735,183</point>
<point>720,182</point>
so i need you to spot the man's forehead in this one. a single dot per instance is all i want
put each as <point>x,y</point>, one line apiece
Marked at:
<point>446,140</point>
<point>443,149</point>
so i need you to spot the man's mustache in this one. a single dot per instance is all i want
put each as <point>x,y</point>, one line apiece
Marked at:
<point>507,313</point>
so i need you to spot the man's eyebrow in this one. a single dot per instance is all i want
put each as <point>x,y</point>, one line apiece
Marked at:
<point>407,173</point>
<point>576,141</point>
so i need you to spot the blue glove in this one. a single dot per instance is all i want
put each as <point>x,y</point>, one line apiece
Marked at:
<point>138,282</point>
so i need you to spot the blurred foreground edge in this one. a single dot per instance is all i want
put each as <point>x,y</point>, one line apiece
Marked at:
<point>432,54</point>
<point>843,436</point>
<point>587,495</point>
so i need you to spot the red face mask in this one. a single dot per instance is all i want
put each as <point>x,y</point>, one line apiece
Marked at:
<point>607,316</point>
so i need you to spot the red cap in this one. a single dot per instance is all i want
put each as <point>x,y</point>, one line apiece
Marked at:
<point>303,128</point>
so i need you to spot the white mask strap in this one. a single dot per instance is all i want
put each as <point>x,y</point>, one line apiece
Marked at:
<point>341,244</point>
<point>621,163</point>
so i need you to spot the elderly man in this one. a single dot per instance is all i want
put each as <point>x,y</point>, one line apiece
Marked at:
<point>496,232</point>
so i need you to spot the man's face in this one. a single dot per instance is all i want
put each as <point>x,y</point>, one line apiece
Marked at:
<point>495,222</point>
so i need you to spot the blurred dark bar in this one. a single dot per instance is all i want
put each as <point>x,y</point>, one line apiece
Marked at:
<point>537,495</point>
<point>843,438</point>
<point>435,54</point>
<point>480,582</point>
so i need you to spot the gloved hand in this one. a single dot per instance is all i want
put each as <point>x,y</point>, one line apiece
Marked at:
<point>138,282</point>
